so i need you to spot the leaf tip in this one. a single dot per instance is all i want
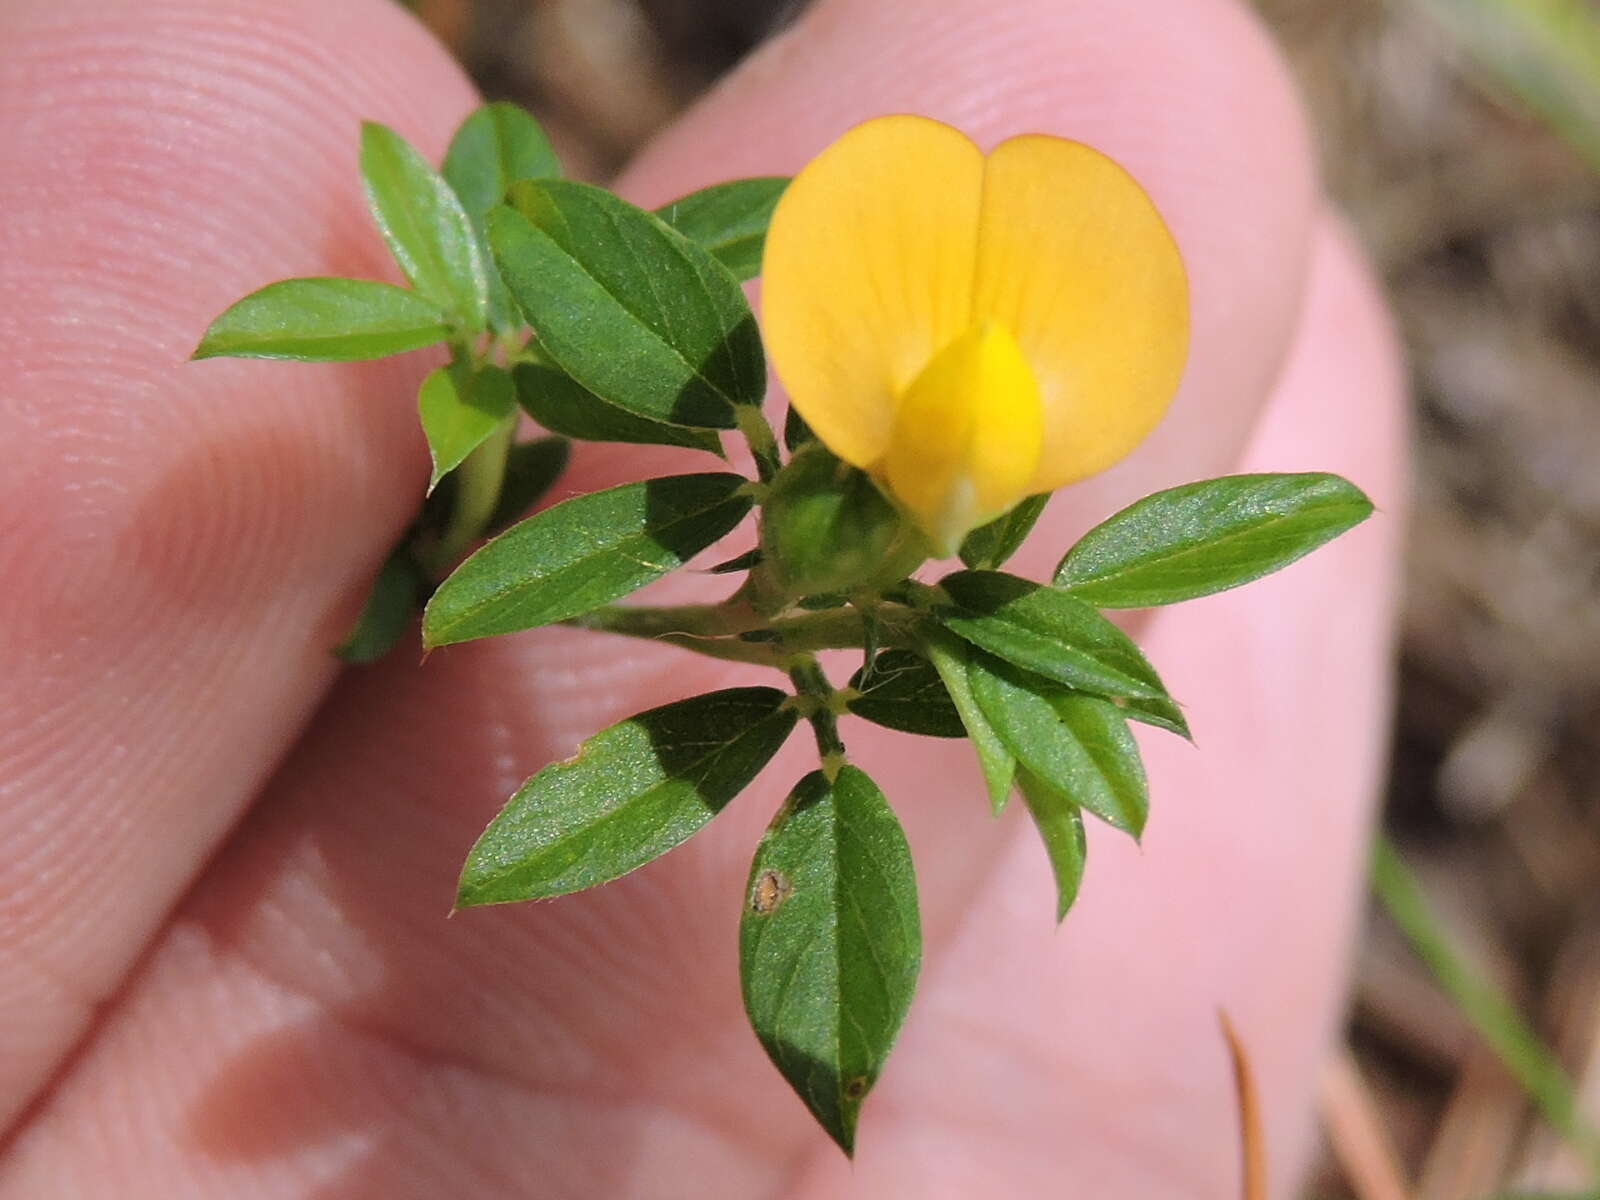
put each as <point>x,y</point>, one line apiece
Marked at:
<point>469,891</point>
<point>843,1131</point>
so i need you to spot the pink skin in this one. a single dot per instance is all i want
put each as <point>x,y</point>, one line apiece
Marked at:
<point>224,964</point>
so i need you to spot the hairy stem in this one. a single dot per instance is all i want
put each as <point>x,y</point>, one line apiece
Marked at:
<point>811,684</point>
<point>710,628</point>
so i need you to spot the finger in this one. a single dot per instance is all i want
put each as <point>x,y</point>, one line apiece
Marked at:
<point>179,543</point>
<point>1243,894</point>
<point>307,970</point>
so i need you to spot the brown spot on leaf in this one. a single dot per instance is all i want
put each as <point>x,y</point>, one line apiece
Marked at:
<point>856,1088</point>
<point>772,889</point>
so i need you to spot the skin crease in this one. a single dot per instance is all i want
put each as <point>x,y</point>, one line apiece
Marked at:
<point>224,964</point>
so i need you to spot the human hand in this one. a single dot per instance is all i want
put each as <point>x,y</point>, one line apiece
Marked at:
<point>226,969</point>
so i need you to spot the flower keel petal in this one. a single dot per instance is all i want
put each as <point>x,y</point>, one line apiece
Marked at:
<point>966,436</point>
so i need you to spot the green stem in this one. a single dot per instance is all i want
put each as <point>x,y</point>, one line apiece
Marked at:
<point>763,443</point>
<point>1502,1027</point>
<point>478,482</point>
<point>761,654</point>
<point>844,629</point>
<point>811,684</point>
<point>730,618</point>
<point>708,627</point>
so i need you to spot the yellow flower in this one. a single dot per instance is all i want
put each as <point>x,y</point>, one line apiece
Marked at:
<point>972,329</point>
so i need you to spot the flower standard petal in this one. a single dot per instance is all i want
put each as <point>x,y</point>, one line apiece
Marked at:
<point>1075,260</point>
<point>867,274</point>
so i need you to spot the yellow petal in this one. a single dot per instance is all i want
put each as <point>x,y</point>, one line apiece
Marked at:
<point>867,274</point>
<point>966,436</point>
<point>1074,259</point>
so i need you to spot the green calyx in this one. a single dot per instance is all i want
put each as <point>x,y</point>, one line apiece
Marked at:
<point>825,527</point>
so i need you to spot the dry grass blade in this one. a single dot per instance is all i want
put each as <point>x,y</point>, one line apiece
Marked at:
<point>1356,1132</point>
<point>1478,1134</point>
<point>1252,1141</point>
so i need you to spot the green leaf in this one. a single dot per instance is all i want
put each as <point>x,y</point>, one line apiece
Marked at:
<point>628,306</point>
<point>1161,712</point>
<point>632,792</point>
<point>324,320</point>
<point>1047,632</point>
<point>424,224</point>
<point>562,405</point>
<point>830,943</point>
<point>949,656</point>
<point>796,432</point>
<point>739,562</point>
<point>582,553</point>
<point>1207,537</point>
<point>391,604</point>
<point>989,546</point>
<point>904,692</point>
<point>498,145</point>
<point>531,470</point>
<point>495,147</point>
<point>1060,825</point>
<point>729,220</point>
<point>1079,745</point>
<point>460,408</point>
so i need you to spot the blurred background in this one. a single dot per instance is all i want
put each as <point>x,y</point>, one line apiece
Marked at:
<point>1463,138</point>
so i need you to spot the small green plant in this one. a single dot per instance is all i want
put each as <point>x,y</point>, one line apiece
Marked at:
<point>960,335</point>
